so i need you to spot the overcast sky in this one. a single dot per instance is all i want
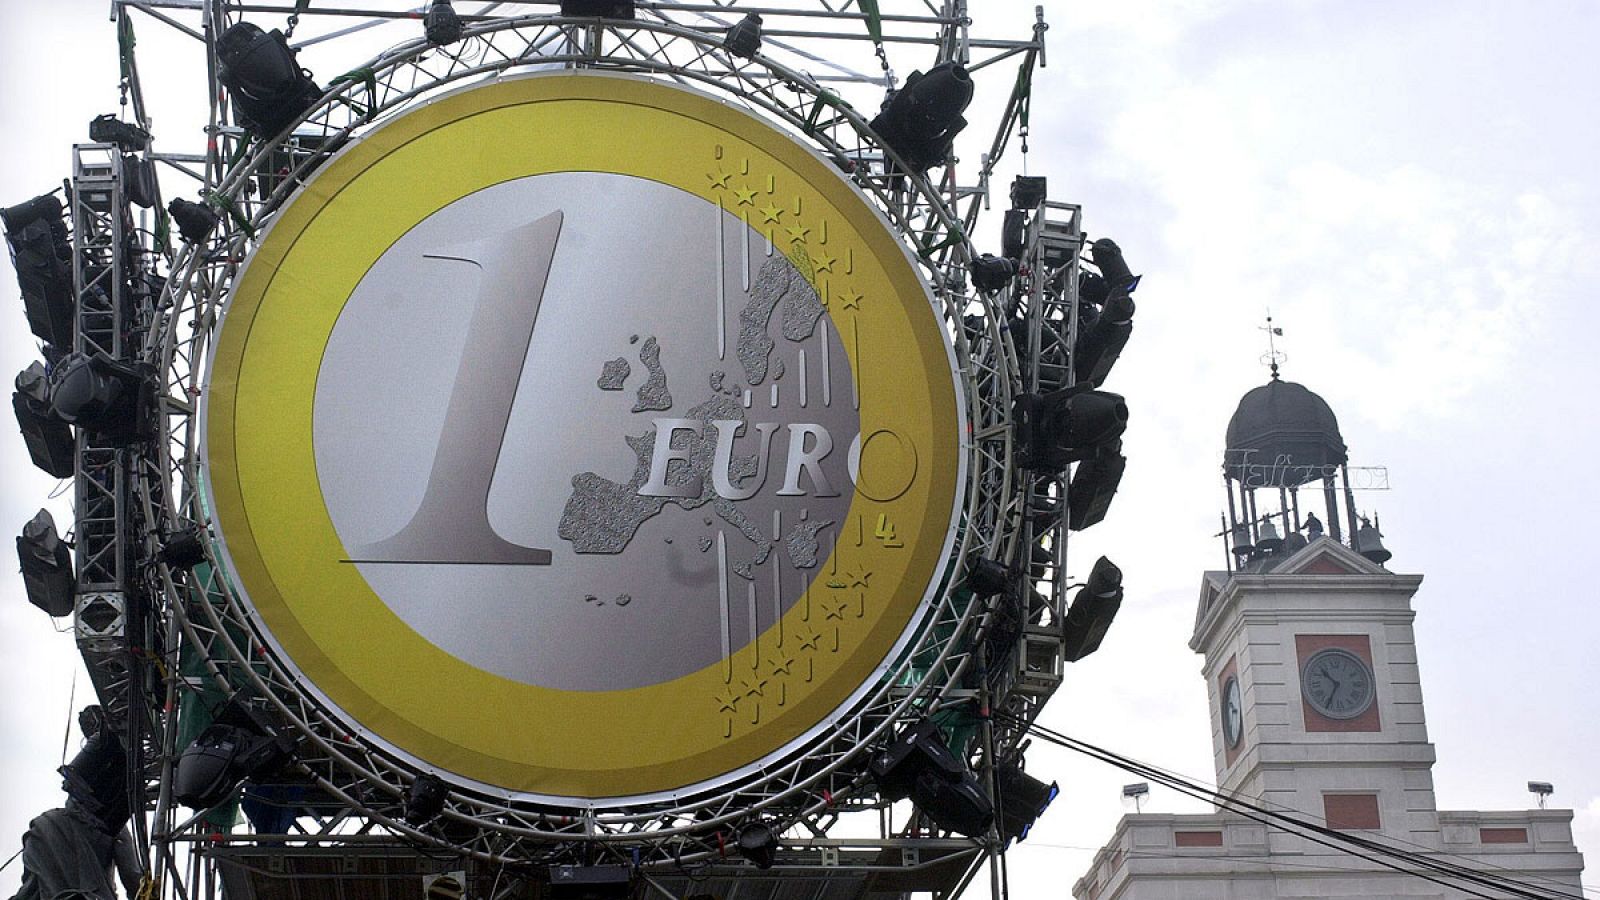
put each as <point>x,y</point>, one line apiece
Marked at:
<point>1411,187</point>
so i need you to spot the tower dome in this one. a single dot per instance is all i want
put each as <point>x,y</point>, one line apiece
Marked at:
<point>1282,435</point>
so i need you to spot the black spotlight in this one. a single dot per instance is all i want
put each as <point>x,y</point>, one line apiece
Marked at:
<point>1065,426</point>
<point>1100,344</point>
<point>744,38</point>
<point>923,118</point>
<point>440,23</point>
<point>1091,289</point>
<point>1014,233</point>
<point>987,577</point>
<point>590,883</point>
<point>992,273</point>
<point>1093,485</point>
<point>1023,799</point>
<point>1101,339</point>
<point>605,9</point>
<point>1027,192</point>
<point>759,844</point>
<point>425,799</point>
<point>107,397</point>
<point>96,780</point>
<point>48,438</point>
<point>1092,610</point>
<point>108,129</point>
<point>269,88</point>
<point>41,254</point>
<point>195,220</point>
<point>139,180</point>
<point>184,548</point>
<point>1107,257</point>
<point>46,565</point>
<point>919,765</point>
<point>213,766</point>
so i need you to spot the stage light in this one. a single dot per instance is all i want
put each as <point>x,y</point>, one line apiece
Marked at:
<point>184,548</point>
<point>139,181</point>
<point>213,766</point>
<point>49,440</point>
<point>1028,191</point>
<point>195,220</point>
<point>1023,799</point>
<point>1091,290</point>
<point>744,38</point>
<point>1093,609</point>
<point>1093,485</point>
<point>1100,344</point>
<point>987,577</point>
<point>268,87</point>
<point>108,129</point>
<point>46,565</point>
<point>1062,427</point>
<point>440,24</point>
<point>992,273</point>
<point>112,399</point>
<point>604,9</point>
<point>590,883</point>
<point>1014,234</point>
<point>759,844</point>
<point>425,799</point>
<point>918,765</point>
<point>923,118</point>
<point>41,254</point>
<point>1108,259</point>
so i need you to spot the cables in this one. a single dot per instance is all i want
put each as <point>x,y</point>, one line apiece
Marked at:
<point>1438,871</point>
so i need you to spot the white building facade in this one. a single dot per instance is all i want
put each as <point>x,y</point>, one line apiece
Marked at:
<point>1317,712</point>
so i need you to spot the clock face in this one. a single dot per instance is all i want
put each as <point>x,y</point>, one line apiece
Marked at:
<point>1337,684</point>
<point>1232,712</point>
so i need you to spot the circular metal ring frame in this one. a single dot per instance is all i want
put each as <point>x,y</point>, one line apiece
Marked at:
<point>822,778</point>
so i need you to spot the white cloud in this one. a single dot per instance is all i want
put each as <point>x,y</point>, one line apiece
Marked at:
<point>1586,832</point>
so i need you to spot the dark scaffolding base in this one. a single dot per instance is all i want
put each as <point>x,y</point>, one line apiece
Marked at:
<point>816,870</point>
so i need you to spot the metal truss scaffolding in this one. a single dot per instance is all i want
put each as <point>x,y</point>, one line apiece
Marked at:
<point>158,637</point>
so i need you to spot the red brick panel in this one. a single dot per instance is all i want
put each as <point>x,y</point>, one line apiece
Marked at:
<point>1307,644</point>
<point>1351,811</point>
<point>1197,838</point>
<point>1503,835</point>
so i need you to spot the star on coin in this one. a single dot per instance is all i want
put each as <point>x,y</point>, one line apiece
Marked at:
<point>860,578</point>
<point>755,686</point>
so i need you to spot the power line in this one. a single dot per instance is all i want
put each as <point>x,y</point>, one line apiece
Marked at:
<point>1378,853</point>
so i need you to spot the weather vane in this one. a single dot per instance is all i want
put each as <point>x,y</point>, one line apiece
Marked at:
<point>1273,356</point>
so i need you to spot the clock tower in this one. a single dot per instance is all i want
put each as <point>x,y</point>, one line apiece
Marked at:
<point>1311,668</point>
<point>1310,665</point>
<point>1310,660</point>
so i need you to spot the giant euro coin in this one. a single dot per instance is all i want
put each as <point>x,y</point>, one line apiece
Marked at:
<point>583,437</point>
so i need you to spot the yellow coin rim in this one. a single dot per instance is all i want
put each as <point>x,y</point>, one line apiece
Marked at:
<point>324,618</point>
